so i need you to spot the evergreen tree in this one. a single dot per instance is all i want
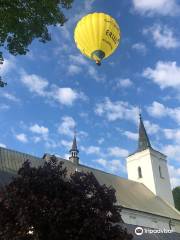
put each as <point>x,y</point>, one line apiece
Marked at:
<point>45,203</point>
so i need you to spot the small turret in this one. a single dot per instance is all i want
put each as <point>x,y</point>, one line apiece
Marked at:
<point>74,152</point>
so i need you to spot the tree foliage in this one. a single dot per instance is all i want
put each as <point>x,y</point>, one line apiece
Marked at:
<point>45,203</point>
<point>22,21</point>
<point>176,196</point>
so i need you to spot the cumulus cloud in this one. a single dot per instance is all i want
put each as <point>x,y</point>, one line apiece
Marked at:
<point>93,150</point>
<point>34,83</point>
<point>40,130</point>
<point>117,152</point>
<point>117,110</point>
<point>159,110</point>
<point>21,137</point>
<point>78,62</point>
<point>67,96</point>
<point>114,166</point>
<point>10,97</point>
<point>67,126</point>
<point>172,134</point>
<point>66,144</point>
<point>100,141</point>
<point>174,176</point>
<point>3,145</point>
<point>172,151</point>
<point>162,7</point>
<point>162,36</point>
<point>124,83</point>
<point>151,127</point>
<point>7,66</point>
<point>74,69</point>
<point>165,74</point>
<point>131,135</point>
<point>4,107</point>
<point>140,47</point>
<point>38,85</point>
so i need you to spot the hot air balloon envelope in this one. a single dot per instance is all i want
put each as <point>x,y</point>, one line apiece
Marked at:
<point>97,36</point>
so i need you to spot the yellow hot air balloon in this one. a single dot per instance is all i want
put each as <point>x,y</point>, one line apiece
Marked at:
<point>97,36</point>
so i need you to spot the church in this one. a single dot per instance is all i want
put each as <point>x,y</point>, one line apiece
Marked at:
<point>145,197</point>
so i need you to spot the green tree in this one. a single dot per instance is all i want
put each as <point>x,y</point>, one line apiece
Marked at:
<point>22,21</point>
<point>45,203</point>
<point>176,196</point>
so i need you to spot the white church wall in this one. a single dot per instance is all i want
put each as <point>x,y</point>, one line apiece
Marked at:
<point>149,161</point>
<point>148,220</point>
<point>142,160</point>
<point>162,183</point>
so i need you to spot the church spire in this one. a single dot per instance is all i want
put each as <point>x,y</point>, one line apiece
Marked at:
<point>143,142</point>
<point>74,151</point>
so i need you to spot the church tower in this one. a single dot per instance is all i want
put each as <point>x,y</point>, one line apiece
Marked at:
<point>74,152</point>
<point>149,167</point>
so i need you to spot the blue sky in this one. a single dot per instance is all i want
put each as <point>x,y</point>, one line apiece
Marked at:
<point>54,89</point>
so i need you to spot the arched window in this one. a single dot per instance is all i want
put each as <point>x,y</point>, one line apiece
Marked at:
<point>160,172</point>
<point>139,172</point>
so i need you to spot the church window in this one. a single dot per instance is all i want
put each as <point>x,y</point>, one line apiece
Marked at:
<point>139,172</point>
<point>160,172</point>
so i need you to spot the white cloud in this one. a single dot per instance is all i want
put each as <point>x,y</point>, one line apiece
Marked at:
<point>80,61</point>
<point>4,106</point>
<point>174,176</point>
<point>34,83</point>
<point>3,145</point>
<point>10,97</point>
<point>86,8</point>
<point>131,135</point>
<point>100,141</point>
<point>162,7</point>
<point>93,150</point>
<point>67,126</point>
<point>7,66</point>
<point>162,36</point>
<point>73,69</point>
<point>117,152</point>
<point>172,151</point>
<point>117,110</point>
<point>102,162</point>
<point>151,127</point>
<point>36,139</point>
<point>124,83</point>
<point>140,47</point>
<point>114,166</point>
<point>66,156</point>
<point>94,74</point>
<point>159,110</point>
<point>165,74</point>
<point>65,32</point>
<point>21,137</point>
<point>41,130</point>
<point>172,134</point>
<point>66,144</point>
<point>67,96</point>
